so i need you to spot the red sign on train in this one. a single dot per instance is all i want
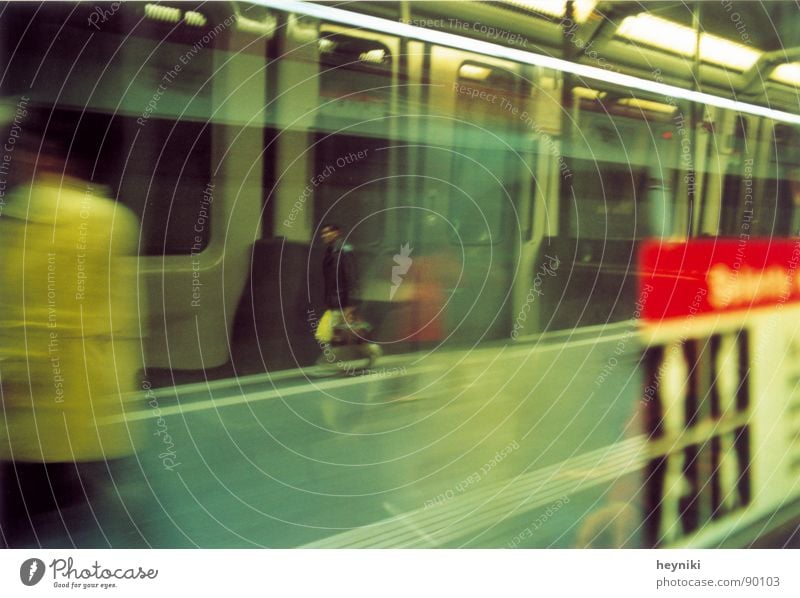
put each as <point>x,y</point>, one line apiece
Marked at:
<point>679,279</point>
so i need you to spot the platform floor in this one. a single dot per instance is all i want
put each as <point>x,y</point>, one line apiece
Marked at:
<point>496,447</point>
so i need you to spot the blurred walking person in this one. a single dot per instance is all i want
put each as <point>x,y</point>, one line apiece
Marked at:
<point>341,325</point>
<point>69,351</point>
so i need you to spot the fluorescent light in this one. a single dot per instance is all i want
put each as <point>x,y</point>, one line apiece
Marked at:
<point>326,45</point>
<point>788,73</point>
<point>194,18</point>
<point>660,33</point>
<point>647,105</point>
<point>668,35</point>
<point>451,40</point>
<point>557,8</point>
<point>162,13</point>
<point>718,50</point>
<point>584,93</point>
<point>265,27</point>
<point>374,56</point>
<point>473,71</point>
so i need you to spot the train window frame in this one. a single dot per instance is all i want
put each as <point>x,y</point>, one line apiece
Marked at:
<point>337,37</point>
<point>325,171</point>
<point>101,162</point>
<point>639,179</point>
<point>645,114</point>
<point>330,125</point>
<point>497,235</point>
<point>332,79</point>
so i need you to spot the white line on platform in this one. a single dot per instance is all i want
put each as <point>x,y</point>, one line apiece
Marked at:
<point>240,399</point>
<point>389,361</point>
<point>258,396</point>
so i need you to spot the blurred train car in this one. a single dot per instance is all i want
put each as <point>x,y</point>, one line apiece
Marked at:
<point>234,130</point>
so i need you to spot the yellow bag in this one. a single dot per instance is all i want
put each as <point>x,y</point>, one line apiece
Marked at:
<point>324,331</point>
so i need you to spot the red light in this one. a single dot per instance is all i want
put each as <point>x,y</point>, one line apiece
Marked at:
<point>666,135</point>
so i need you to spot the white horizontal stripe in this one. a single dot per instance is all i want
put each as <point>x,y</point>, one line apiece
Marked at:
<point>257,396</point>
<point>385,362</point>
<point>602,464</point>
<point>239,399</point>
<point>335,15</point>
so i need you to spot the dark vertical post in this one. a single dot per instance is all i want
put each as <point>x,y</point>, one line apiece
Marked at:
<point>696,115</point>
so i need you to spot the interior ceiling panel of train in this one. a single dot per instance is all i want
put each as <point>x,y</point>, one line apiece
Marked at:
<point>749,48</point>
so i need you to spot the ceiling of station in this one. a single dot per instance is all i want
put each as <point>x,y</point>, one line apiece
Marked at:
<point>743,44</point>
<point>768,25</point>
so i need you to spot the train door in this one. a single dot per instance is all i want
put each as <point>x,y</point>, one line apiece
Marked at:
<point>472,176</point>
<point>619,167</point>
<point>355,155</point>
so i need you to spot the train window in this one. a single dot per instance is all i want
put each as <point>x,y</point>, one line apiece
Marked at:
<point>620,167</point>
<point>618,201</point>
<point>768,205</point>
<point>167,183</point>
<point>486,96</point>
<point>355,79</point>
<point>772,207</point>
<point>786,142</point>
<point>477,204</point>
<point>484,160</point>
<point>104,47</point>
<point>161,171</point>
<point>351,170</point>
<point>349,185</point>
<point>730,219</point>
<point>762,207</point>
<point>368,56</point>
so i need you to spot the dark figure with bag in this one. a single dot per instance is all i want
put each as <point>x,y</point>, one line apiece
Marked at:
<point>340,276</point>
<point>338,270</point>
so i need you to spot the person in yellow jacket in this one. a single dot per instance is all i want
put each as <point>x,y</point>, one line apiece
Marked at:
<point>69,346</point>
